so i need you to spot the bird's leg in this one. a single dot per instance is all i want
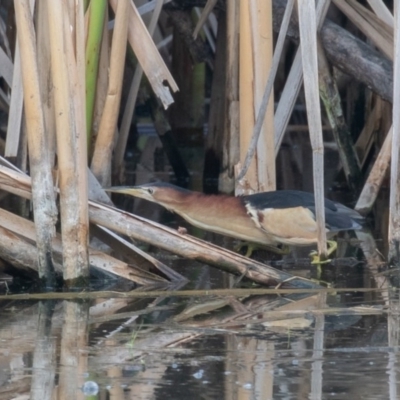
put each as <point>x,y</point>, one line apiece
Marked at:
<point>253,246</point>
<point>316,259</point>
<point>283,250</point>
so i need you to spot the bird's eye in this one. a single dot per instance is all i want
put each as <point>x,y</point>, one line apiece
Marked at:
<point>150,190</point>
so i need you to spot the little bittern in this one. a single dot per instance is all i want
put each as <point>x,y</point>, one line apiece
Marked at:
<point>268,219</point>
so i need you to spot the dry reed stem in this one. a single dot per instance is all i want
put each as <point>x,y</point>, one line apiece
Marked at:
<point>293,84</point>
<point>79,96</point>
<point>246,101</point>
<point>14,181</point>
<point>74,35</point>
<point>287,100</point>
<point>42,183</point>
<point>127,117</point>
<point>230,153</point>
<point>101,161</point>
<point>375,178</point>
<point>268,89</point>
<point>374,28</point>
<point>74,225</point>
<point>19,252</point>
<point>148,56</point>
<point>262,46</point>
<point>308,43</point>
<point>385,30</point>
<point>46,84</point>
<point>137,294</point>
<point>209,30</point>
<point>204,15</point>
<point>382,11</point>
<point>16,106</point>
<point>123,246</point>
<point>394,202</point>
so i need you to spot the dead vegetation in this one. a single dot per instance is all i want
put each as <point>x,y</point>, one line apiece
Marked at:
<point>73,78</point>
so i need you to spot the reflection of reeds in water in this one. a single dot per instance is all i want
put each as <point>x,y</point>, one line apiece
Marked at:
<point>248,331</point>
<point>66,61</point>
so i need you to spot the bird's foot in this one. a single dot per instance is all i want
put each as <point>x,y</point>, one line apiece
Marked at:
<point>318,262</point>
<point>316,259</point>
<point>282,250</point>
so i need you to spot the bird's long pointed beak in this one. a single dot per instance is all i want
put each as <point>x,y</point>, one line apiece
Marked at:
<point>131,190</point>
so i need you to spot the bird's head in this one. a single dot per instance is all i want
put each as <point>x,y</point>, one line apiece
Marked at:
<point>162,193</point>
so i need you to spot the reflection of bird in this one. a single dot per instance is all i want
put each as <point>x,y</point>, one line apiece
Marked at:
<point>267,219</point>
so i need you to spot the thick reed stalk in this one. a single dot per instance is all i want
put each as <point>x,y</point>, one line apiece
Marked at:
<point>70,127</point>
<point>45,212</point>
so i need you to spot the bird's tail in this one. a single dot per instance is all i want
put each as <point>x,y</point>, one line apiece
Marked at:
<point>357,220</point>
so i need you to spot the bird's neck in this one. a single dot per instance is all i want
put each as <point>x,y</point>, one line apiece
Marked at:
<point>208,210</point>
<point>199,204</point>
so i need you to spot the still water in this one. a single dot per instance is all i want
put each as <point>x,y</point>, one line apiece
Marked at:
<point>343,344</point>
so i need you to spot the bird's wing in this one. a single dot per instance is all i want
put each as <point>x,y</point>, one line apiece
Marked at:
<point>286,199</point>
<point>292,202</point>
<point>295,222</point>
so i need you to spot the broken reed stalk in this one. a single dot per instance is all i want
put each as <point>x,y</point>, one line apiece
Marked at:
<point>45,211</point>
<point>308,43</point>
<point>394,203</point>
<point>148,56</point>
<point>69,123</point>
<point>131,101</point>
<point>101,160</point>
<point>95,29</point>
